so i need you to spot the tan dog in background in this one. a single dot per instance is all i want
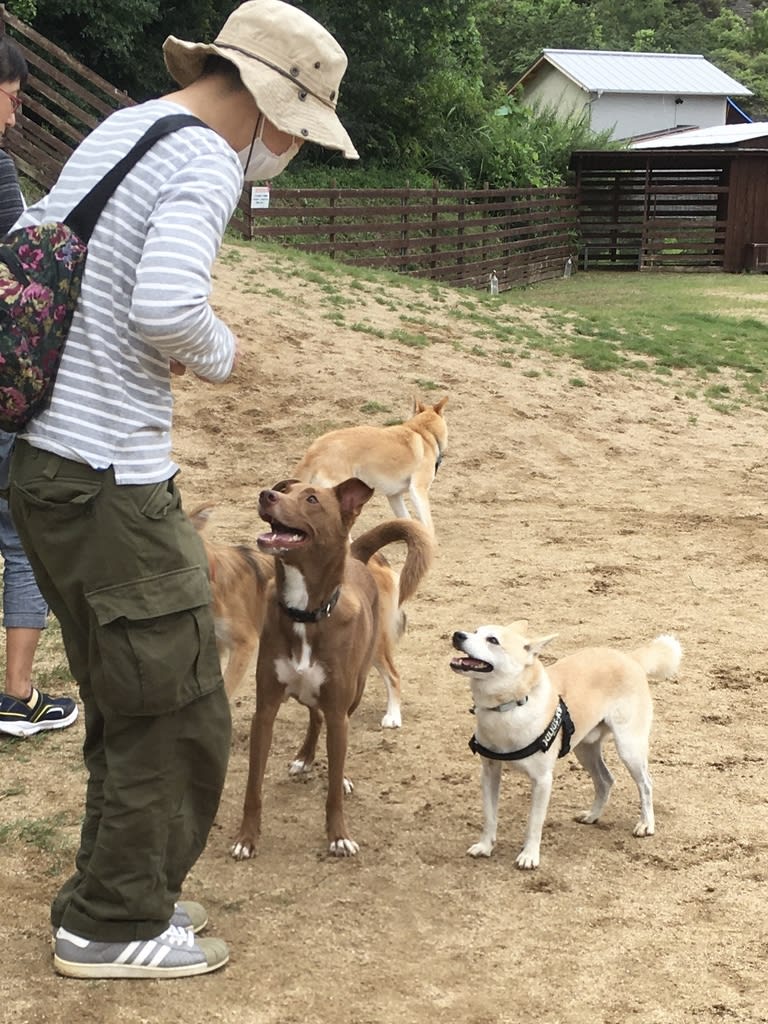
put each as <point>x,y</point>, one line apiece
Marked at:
<point>396,460</point>
<point>333,611</point>
<point>530,715</point>
<point>239,577</point>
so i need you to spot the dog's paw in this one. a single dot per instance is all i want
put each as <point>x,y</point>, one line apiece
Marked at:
<point>343,848</point>
<point>642,829</point>
<point>480,849</point>
<point>243,849</point>
<point>348,787</point>
<point>392,720</point>
<point>586,818</point>
<point>527,860</point>
<point>299,767</point>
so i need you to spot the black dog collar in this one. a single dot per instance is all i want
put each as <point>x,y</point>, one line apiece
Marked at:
<point>299,615</point>
<point>561,720</point>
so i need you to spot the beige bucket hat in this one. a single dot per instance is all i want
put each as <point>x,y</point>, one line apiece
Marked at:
<point>289,63</point>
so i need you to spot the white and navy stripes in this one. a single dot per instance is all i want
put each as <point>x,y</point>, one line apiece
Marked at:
<point>145,292</point>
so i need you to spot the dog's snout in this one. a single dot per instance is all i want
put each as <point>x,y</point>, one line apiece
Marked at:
<point>268,497</point>
<point>458,640</point>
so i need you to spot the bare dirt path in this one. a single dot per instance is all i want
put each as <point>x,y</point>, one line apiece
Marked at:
<point>606,513</point>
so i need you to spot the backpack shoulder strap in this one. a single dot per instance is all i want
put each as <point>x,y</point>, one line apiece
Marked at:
<point>84,216</point>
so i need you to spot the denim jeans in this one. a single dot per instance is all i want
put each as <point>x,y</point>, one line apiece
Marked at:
<point>23,604</point>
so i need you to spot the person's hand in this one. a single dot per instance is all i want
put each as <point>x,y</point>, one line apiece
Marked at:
<point>235,361</point>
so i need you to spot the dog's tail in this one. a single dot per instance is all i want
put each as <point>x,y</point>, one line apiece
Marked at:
<point>418,540</point>
<point>661,657</point>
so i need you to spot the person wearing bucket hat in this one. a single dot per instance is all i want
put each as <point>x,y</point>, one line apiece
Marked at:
<point>92,486</point>
<point>288,62</point>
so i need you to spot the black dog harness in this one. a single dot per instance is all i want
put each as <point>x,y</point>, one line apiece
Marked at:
<point>299,615</point>
<point>561,720</point>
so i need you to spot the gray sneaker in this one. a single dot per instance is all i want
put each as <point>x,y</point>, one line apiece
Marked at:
<point>188,914</point>
<point>175,953</point>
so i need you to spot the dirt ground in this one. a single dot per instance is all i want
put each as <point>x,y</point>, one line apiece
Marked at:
<point>606,513</point>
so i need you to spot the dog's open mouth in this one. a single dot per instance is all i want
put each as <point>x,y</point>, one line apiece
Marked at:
<point>280,537</point>
<point>467,664</point>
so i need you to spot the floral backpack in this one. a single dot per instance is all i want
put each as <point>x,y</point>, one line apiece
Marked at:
<point>41,269</point>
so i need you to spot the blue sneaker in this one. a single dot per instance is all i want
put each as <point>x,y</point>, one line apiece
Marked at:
<point>17,718</point>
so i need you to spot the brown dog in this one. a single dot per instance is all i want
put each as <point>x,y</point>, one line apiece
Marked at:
<point>332,611</point>
<point>239,576</point>
<point>396,460</point>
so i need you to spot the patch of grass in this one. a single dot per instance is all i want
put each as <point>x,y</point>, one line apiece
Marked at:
<point>370,408</point>
<point>411,340</point>
<point>364,328</point>
<point>50,835</point>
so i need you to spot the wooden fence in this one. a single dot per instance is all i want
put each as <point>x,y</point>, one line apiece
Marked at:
<point>628,211</point>
<point>646,219</point>
<point>454,236</point>
<point>62,101</point>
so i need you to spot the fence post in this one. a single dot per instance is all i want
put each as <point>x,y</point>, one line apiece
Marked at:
<point>460,244</point>
<point>332,223</point>
<point>433,247</point>
<point>404,232</point>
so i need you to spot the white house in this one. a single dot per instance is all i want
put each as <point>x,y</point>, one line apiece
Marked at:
<point>630,94</point>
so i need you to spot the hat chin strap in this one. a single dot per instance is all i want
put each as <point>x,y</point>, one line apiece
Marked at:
<point>279,70</point>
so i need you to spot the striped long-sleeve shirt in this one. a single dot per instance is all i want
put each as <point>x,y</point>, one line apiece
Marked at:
<point>145,292</point>
<point>11,202</point>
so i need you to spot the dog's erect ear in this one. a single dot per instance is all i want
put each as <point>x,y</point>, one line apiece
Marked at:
<point>537,646</point>
<point>520,627</point>
<point>439,406</point>
<point>352,495</point>
<point>199,516</point>
<point>283,485</point>
<point>418,406</point>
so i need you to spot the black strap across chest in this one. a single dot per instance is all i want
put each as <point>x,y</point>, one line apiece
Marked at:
<point>560,720</point>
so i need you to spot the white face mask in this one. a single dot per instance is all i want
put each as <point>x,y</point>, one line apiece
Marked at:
<point>260,163</point>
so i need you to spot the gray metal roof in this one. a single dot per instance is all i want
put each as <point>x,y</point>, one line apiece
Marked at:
<point>685,74</point>
<point>718,135</point>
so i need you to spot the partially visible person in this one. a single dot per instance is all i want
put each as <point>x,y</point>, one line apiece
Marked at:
<point>92,478</point>
<point>24,710</point>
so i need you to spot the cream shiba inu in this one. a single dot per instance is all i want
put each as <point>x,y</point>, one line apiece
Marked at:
<point>529,716</point>
<point>396,460</point>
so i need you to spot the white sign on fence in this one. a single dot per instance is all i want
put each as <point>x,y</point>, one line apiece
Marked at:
<point>260,197</point>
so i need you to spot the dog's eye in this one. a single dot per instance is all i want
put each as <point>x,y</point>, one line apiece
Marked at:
<point>312,499</point>
<point>492,640</point>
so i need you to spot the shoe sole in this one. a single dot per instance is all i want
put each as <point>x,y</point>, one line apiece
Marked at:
<point>23,729</point>
<point>72,969</point>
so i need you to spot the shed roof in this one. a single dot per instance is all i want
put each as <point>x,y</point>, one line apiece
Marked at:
<point>685,74</point>
<point>717,135</point>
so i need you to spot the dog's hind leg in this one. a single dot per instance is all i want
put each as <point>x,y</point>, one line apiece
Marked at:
<point>418,496</point>
<point>240,657</point>
<point>590,756</point>
<point>386,668</point>
<point>634,754</point>
<point>490,782</point>
<point>305,756</point>
<point>398,506</point>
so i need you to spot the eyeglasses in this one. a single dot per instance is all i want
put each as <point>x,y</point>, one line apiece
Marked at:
<point>15,101</point>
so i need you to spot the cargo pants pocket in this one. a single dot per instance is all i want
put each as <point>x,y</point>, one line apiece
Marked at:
<point>156,642</point>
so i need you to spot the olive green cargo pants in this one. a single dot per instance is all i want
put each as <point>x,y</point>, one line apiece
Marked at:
<point>125,573</point>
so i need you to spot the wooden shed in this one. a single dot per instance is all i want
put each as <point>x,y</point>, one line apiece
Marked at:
<point>675,207</point>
